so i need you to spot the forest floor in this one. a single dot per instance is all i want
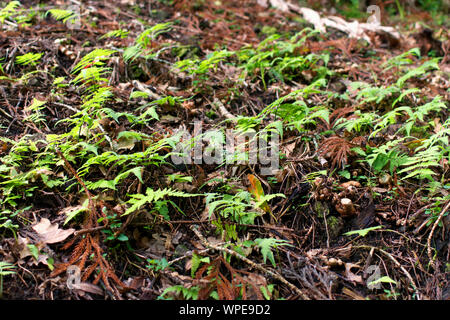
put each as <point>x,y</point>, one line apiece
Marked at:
<point>96,204</point>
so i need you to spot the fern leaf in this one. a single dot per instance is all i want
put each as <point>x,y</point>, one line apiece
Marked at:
<point>150,196</point>
<point>9,10</point>
<point>266,245</point>
<point>61,14</point>
<point>29,58</point>
<point>93,58</point>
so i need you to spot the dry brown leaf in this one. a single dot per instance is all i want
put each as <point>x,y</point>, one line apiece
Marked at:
<point>67,210</point>
<point>350,275</point>
<point>257,281</point>
<point>380,190</point>
<point>88,287</point>
<point>289,148</point>
<point>22,247</point>
<point>50,233</point>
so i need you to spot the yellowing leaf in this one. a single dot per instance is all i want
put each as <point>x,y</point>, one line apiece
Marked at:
<point>257,191</point>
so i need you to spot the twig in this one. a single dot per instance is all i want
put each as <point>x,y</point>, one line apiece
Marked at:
<point>66,106</point>
<point>187,255</point>
<point>387,254</point>
<point>6,114</point>
<point>106,136</point>
<point>72,170</point>
<point>235,223</point>
<point>430,236</point>
<point>274,274</point>
<point>223,111</point>
<point>88,230</point>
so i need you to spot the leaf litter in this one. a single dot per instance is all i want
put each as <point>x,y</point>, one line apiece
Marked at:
<point>230,65</point>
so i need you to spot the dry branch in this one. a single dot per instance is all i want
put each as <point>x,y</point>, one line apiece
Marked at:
<point>430,236</point>
<point>274,274</point>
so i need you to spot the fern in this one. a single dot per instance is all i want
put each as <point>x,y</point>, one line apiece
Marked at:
<point>111,184</point>
<point>419,165</point>
<point>237,207</point>
<point>132,52</point>
<point>278,58</point>
<point>387,155</point>
<point>187,293</point>
<point>423,69</point>
<point>198,67</point>
<point>9,10</point>
<point>267,245</point>
<point>296,95</point>
<point>358,123</point>
<point>143,41</point>
<point>441,138</point>
<point>29,58</point>
<point>369,94</point>
<point>62,15</point>
<point>150,196</point>
<point>34,109</point>
<point>95,58</point>
<point>119,33</point>
<point>401,60</point>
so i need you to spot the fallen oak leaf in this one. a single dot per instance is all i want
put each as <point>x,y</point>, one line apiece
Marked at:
<point>50,233</point>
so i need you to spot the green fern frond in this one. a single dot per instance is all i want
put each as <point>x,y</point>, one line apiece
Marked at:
<point>29,58</point>
<point>429,65</point>
<point>150,196</point>
<point>401,60</point>
<point>133,52</point>
<point>267,245</point>
<point>419,164</point>
<point>143,41</point>
<point>62,15</point>
<point>151,33</point>
<point>95,58</point>
<point>91,75</point>
<point>119,33</point>
<point>9,10</point>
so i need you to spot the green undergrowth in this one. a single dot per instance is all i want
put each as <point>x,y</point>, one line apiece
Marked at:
<point>404,129</point>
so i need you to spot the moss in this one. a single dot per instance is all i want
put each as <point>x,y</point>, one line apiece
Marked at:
<point>321,209</point>
<point>335,225</point>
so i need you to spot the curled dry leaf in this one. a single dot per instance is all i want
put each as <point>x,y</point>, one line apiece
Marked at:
<point>350,275</point>
<point>50,233</point>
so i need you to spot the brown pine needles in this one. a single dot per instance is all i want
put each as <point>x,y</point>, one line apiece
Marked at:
<point>88,248</point>
<point>337,149</point>
<point>233,289</point>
